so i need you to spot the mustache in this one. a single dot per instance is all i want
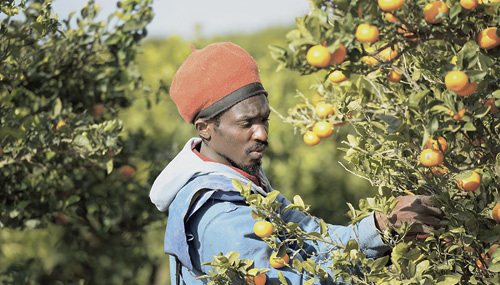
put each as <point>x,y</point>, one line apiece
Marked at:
<point>259,146</point>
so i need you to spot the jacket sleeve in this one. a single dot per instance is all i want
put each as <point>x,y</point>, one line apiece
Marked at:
<point>222,226</point>
<point>365,232</point>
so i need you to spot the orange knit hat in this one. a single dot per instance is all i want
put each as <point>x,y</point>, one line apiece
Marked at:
<point>213,79</point>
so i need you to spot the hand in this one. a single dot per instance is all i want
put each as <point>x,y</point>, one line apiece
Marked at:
<point>415,210</point>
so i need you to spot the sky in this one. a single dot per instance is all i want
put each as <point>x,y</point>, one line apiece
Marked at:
<point>215,17</point>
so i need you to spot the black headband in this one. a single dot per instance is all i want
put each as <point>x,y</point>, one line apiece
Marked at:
<point>230,100</point>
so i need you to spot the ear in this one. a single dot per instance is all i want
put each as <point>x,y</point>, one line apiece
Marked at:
<point>203,128</point>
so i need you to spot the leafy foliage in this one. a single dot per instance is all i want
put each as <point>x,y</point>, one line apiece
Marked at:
<point>74,200</point>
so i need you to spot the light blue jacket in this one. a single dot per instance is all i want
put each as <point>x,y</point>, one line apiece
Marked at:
<point>207,216</point>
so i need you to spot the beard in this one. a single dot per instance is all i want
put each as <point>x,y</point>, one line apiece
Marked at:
<point>254,166</point>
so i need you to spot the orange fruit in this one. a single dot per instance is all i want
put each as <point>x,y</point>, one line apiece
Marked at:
<point>432,9</point>
<point>456,80</point>
<point>323,129</point>
<point>255,279</point>
<point>319,56</point>
<point>459,115</point>
<point>431,157</point>
<point>339,55</point>
<point>317,98</point>
<point>60,124</point>
<point>394,76</point>
<point>482,263</point>
<point>277,262</point>
<point>390,5</point>
<point>366,33</point>
<point>323,109</point>
<point>469,4</point>
<point>471,182</point>
<point>389,53</point>
<point>468,90</point>
<point>127,171</point>
<point>495,213</point>
<point>438,170</point>
<point>488,38</point>
<point>439,143</point>
<point>337,76</point>
<point>491,102</point>
<point>311,138</point>
<point>263,228</point>
<point>98,109</point>
<point>369,60</point>
<point>391,18</point>
<point>492,249</point>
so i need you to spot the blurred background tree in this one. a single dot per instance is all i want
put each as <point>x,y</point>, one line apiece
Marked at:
<point>87,125</point>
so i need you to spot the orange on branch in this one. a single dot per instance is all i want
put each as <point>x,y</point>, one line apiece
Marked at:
<point>394,76</point>
<point>277,262</point>
<point>318,56</point>
<point>255,279</point>
<point>390,5</point>
<point>431,157</point>
<point>391,18</point>
<point>439,170</point>
<point>495,213</point>
<point>456,80</point>
<point>469,4</point>
<point>127,171</point>
<point>263,228</point>
<point>60,124</point>
<point>98,109</point>
<point>323,129</point>
<point>323,109</point>
<point>439,143</point>
<point>471,182</point>
<point>339,55</point>
<point>482,263</point>
<point>493,108</point>
<point>388,53</point>
<point>488,38</point>
<point>468,90</point>
<point>311,138</point>
<point>337,76</point>
<point>367,33</point>
<point>459,115</point>
<point>432,9</point>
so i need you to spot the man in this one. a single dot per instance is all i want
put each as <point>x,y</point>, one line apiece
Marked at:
<point>218,90</point>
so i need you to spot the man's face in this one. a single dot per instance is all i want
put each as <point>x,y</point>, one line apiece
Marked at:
<point>241,136</point>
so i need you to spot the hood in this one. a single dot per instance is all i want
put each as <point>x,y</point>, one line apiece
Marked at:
<point>183,168</point>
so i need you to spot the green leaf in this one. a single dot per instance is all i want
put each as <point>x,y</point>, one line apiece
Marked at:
<point>393,122</point>
<point>416,97</point>
<point>298,201</point>
<point>109,166</point>
<point>57,108</point>
<point>309,265</point>
<point>83,142</point>
<point>282,278</point>
<point>448,279</point>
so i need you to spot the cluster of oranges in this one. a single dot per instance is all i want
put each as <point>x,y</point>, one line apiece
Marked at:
<point>433,156</point>
<point>264,229</point>
<point>323,128</point>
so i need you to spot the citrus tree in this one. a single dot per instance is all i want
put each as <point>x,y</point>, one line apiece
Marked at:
<point>416,84</point>
<point>74,194</point>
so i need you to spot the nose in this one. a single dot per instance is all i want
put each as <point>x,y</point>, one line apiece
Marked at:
<point>260,132</point>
